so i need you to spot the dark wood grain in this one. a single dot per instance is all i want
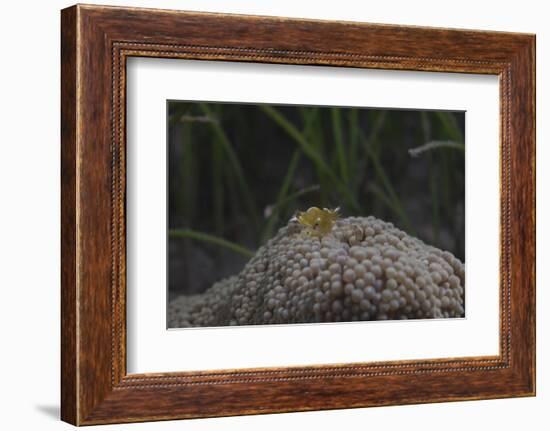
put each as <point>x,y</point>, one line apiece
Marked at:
<point>96,41</point>
<point>68,217</point>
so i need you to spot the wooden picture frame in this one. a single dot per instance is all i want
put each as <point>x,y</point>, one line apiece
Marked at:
<point>95,43</point>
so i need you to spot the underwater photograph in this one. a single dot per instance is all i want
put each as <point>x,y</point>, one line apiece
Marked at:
<point>292,214</point>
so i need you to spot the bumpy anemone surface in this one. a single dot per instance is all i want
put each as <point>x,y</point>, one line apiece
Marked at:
<point>364,269</point>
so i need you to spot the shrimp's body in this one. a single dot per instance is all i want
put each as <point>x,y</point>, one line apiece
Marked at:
<point>318,222</point>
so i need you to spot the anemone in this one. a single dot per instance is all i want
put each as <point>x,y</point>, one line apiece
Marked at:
<point>363,269</point>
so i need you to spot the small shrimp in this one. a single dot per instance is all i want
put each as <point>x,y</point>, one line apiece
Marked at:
<point>318,222</point>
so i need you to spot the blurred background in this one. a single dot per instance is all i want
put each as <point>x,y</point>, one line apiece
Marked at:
<point>238,172</point>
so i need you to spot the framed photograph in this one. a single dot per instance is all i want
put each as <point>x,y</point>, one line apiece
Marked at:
<point>264,214</point>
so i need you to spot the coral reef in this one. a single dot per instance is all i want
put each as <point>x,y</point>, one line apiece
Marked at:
<point>363,269</point>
